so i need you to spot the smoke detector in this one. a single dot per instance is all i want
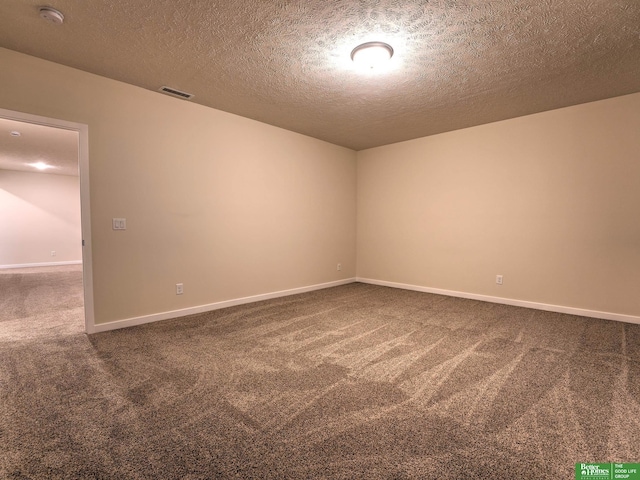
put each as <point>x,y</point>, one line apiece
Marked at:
<point>51,15</point>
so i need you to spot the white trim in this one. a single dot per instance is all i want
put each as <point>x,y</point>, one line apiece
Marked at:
<point>508,301</point>
<point>85,210</point>
<point>156,317</point>
<point>47,264</point>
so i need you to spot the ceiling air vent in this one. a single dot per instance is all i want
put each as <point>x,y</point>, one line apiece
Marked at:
<point>176,93</point>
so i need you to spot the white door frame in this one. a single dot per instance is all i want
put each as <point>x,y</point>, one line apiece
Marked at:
<point>85,211</point>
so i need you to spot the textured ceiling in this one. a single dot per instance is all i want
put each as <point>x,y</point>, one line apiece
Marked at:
<point>37,143</point>
<point>457,63</point>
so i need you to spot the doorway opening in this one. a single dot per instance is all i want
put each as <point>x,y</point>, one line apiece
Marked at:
<point>45,243</point>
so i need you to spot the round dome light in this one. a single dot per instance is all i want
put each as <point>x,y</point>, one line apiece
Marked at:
<point>40,165</point>
<point>372,54</point>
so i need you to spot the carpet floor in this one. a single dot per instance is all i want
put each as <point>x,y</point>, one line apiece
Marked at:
<point>357,381</point>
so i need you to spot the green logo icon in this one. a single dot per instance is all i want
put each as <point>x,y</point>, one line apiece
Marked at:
<point>607,471</point>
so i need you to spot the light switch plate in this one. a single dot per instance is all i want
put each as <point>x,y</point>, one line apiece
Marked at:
<point>119,223</point>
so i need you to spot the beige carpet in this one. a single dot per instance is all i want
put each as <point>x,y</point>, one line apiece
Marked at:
<point>356,381</point>
<point>41,301</point>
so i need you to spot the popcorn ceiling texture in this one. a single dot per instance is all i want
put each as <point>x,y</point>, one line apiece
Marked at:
<point>286,63</point>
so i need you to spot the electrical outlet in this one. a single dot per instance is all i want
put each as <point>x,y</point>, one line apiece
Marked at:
<point>499,279</point>
<point>53,253</point>
<point>179,288</point>
<point>339,267</point>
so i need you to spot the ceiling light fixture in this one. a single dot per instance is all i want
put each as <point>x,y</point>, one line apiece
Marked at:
<point>51,15</point>
<point>40,165</point>
<point>372,54</point>
<point>15,133</point>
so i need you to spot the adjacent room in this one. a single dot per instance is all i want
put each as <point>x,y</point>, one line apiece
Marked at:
<point>41,255</point>
<point>320,239</point>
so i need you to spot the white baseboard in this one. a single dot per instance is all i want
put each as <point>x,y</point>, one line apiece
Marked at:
<point>156,317</point>
<point>44,264</point>
<point>508,301</point>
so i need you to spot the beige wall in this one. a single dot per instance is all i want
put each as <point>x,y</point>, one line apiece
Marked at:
<point>39,213</point>
<point>551,201</point>
<point>228,206</point>
<point>233,208</point>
